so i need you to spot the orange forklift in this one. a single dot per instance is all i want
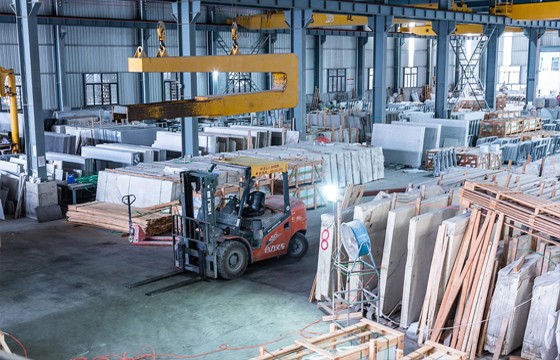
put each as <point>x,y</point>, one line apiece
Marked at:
<point>212,242</point>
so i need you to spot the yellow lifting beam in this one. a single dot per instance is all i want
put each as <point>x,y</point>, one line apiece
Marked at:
<point>532,11</point>
<point>283,94</point>
<point>12,94</point>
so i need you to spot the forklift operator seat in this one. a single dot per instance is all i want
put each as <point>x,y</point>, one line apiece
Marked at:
<point>255,204</point>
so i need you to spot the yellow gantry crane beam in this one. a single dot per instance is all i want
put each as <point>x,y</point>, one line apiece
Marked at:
<point>282,96</point>
<point>460,29</point>
<point>12,94</point>
<point>532,11</point>
<point>276,20</point>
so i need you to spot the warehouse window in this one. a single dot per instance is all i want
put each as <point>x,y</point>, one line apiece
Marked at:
<point>370,79</point>
<point>336,80</point>
<point>410,77</point>
<point>171,87</point>
<point>555,66</point>
<point>509,75</point>
<point>5,102</point>
<point>101,89</point>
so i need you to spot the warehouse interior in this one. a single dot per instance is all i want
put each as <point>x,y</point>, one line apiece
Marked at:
<point>279,179</point>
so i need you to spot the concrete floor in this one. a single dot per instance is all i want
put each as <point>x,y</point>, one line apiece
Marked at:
<point>63,294</point>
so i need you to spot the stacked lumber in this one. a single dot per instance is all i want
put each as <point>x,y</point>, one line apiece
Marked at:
<point>468,287</point>
<point>115,217</point>
<point>366,339</point>
<point>435,351</point>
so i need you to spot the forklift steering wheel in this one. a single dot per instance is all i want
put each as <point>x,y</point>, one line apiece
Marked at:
<point>234,198</point>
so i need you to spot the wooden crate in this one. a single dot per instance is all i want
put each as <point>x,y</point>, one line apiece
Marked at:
<point>503,127</point>
<point>310,194</point>
<point>365,340</point>
<point>467,160</point>
<point>434,351</point>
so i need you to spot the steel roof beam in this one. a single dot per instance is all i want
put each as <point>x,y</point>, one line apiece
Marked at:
<point>370,9</point>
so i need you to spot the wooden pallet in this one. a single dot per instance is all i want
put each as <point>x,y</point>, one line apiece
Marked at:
<point>374,341</point>
<point>538,214</point>
<point>435,351</point>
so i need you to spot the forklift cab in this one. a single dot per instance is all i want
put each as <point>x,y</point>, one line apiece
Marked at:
<point>254,227</point>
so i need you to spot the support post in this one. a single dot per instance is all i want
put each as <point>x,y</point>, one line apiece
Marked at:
<point>429,66</point>
<point>443,30</point>
<point>397,55</point>
<point>59,35</point>
<point>318,63</point>
<point>143,36</point>
<point>379,26</point>
<point>187,12</point>
<point>492,66</point>
<point>361,71</point>
<point>212,80</point>
<point>533,34</point>
<point>34,136</point>
<point>298,19</point>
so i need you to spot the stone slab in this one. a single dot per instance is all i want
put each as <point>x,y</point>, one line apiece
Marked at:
<point>422,236</point>
<point>401,144</point>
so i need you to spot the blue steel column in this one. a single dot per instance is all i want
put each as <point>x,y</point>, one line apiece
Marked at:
<point>143,35</point>
<point>318,62</point>
<point>26,18</point>
<point>59,35</point>
<point>186,13</point>
<point>298,19</point>
<point>533,34</point>
<point>492,66</point>
<point>360,65</point>
<point>443,29</point>
<point>212,81</point>
<point>379,26</point>
<point>397,63</point>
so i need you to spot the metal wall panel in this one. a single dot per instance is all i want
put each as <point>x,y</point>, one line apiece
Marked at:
<point>113,9</point>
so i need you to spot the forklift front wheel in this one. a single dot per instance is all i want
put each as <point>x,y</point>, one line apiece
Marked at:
<point>297,248</point>
<point>233,259</point>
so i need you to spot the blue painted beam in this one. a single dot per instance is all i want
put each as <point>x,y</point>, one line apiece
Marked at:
<point>443,29</point>
<point>361,71</point>
<point>34,128</point>
<point>532,62</point>
<point>298,19</point>
<point>379,26</point>
<point>318,61</point>
<point>492,66</point>
<point>186,13</point>
<point>372,9</point>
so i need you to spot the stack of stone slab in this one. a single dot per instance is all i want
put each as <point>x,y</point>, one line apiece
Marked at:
<point>310,165</point>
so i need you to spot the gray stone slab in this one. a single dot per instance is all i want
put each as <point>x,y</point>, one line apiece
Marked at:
<point>401,144</point>
<point>432,135</point>
<point>545,302</point>
<point>395,251</point>
<point>453,132</point>
<point>373,215</point>
<point>510,299</point>
<point>422,236</point>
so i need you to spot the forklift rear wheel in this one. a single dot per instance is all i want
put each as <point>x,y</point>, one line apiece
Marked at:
<point>297,248</point>
<point>232,259</point>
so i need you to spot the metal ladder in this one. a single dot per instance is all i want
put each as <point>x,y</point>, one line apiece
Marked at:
<point>469,83</point>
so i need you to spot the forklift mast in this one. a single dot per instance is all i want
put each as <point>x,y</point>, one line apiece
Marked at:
<point>195,246</point>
